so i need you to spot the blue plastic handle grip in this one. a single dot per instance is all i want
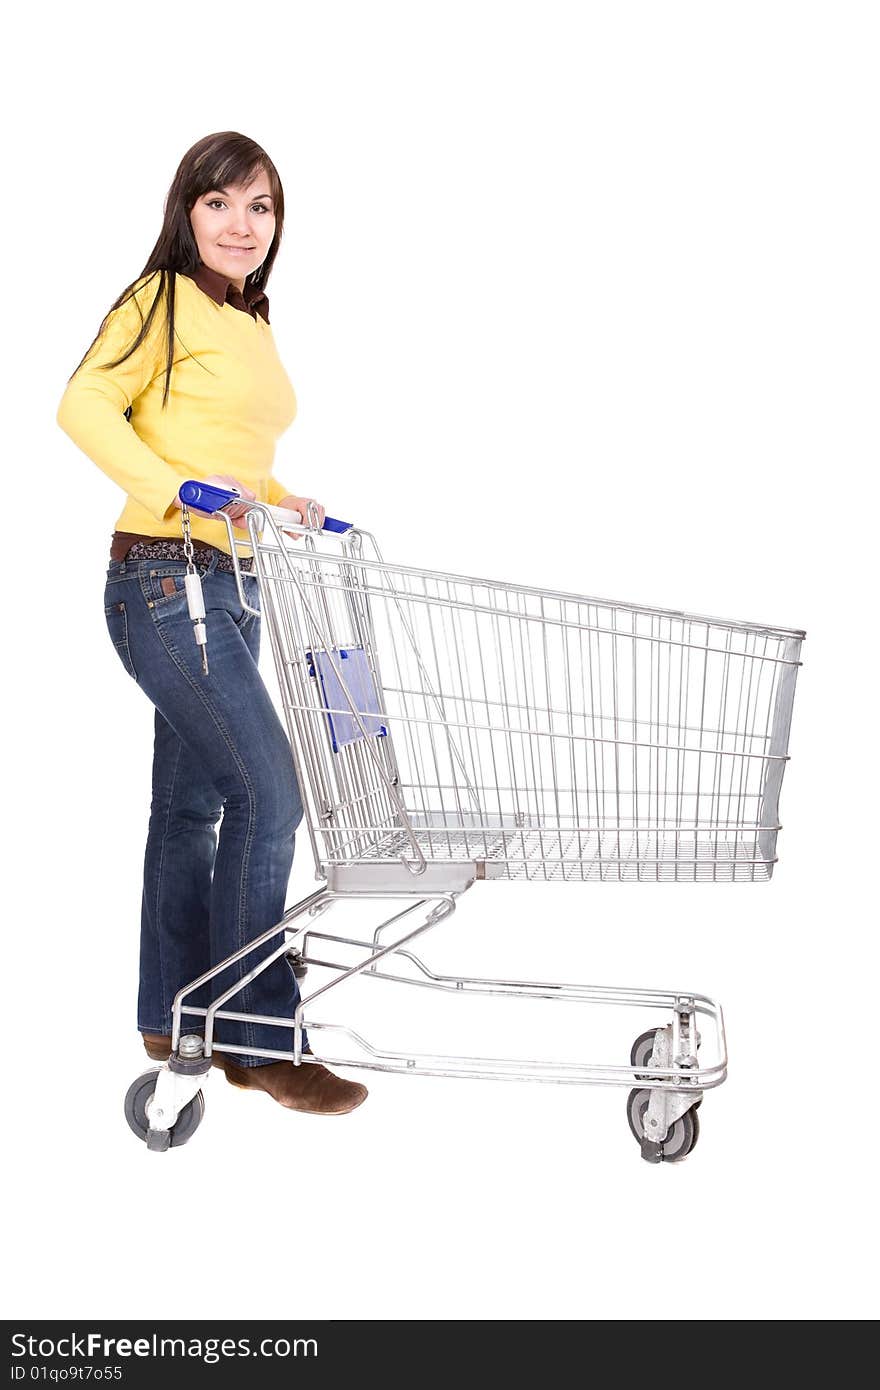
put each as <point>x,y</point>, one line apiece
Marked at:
<point>205,496</point>
<point>209,498</point>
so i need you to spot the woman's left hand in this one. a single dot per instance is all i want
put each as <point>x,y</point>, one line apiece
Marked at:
<point>301,505</point>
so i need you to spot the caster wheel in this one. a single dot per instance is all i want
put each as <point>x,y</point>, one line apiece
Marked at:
<point>640,1056</point>
<point>188,1121</point>
<point>640,1052</point>
<point>680,1140</point>
<point>295,961</point>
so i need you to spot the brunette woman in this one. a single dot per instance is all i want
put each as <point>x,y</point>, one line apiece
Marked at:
<point>183,380</point>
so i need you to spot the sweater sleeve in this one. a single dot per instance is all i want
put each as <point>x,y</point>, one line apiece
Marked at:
<point>92,409</point>
<point>277,492</point>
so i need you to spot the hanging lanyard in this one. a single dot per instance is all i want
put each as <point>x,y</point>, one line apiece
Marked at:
<point>195,599</point>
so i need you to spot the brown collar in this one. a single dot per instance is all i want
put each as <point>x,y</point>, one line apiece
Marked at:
<point>254,300</point>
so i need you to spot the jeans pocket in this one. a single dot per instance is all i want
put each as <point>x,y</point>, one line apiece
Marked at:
<point>252,596</point>
<point>116,619</point>
<point>163,587</point>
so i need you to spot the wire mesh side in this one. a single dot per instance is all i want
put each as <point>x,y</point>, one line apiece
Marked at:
<point>540,735</point>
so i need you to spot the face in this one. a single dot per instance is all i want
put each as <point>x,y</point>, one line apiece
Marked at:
<point>234,227</point>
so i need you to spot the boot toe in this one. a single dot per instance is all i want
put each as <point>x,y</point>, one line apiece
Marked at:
<point>309,1088</point>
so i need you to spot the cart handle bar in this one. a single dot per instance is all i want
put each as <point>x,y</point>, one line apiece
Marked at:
<point>207,497</point>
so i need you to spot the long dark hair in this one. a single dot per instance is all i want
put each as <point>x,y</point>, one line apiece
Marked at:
<point>216,161</point>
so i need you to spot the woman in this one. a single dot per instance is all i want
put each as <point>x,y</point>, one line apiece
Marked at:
<point>184,376</point>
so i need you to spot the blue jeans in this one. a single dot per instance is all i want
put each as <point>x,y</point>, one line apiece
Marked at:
<point>219,747</point>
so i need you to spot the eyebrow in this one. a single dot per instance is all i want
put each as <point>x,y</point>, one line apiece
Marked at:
<point>225,193</point>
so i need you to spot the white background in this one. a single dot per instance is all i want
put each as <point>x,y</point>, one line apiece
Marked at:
<point>578,294</point>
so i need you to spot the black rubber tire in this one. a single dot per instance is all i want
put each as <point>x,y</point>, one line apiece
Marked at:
<point>640,1056</point>
<point>296,964</point>
<point>187,1122</point>
<point>640,1052</point>
<point>682,1137</point>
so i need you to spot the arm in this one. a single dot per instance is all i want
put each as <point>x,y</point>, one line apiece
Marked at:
<point>276,492</point>
<point>92,408</point>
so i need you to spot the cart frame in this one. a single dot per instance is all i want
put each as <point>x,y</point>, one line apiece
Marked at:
<point>373,843</point>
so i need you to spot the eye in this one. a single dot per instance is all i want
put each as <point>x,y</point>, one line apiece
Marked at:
<point>260,206</point>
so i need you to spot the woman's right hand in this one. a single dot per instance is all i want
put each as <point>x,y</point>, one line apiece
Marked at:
<point>234,510</point>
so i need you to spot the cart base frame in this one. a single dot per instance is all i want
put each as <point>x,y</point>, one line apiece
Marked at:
<point>667,1072</point>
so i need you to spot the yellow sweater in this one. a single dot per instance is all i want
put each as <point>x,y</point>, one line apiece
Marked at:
<point>229,401</point>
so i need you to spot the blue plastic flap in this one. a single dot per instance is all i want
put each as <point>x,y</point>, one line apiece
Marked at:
<point>355,671</point>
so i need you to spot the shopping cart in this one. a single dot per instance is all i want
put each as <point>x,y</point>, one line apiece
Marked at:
<point>447,730</point>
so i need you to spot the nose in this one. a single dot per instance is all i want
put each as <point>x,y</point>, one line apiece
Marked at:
<point>240,226</point>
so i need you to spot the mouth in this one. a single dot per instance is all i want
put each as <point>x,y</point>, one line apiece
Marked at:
<point>238,250</point>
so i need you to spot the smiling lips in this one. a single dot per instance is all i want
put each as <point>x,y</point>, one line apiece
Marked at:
<point>238,250</point>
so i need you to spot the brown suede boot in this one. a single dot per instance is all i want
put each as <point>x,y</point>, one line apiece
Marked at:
<point>309,1087</point>
<point>158,1048</point>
